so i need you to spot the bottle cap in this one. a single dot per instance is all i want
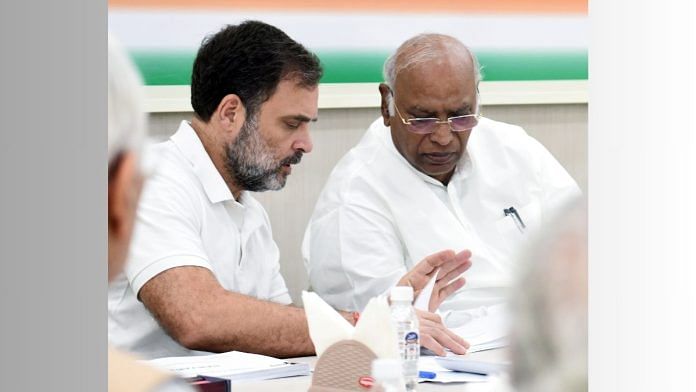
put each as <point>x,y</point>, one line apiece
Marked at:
<point>402,293</point>
<point>386,369</point>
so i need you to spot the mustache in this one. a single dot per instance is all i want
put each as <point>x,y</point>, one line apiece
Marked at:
<point>292,159</point>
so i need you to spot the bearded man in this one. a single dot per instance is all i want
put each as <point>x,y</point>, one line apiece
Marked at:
<point>203,272</point>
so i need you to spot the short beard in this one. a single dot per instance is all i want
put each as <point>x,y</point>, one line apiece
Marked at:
<point>251,162</point>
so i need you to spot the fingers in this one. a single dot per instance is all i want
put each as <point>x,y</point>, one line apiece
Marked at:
<point>441,294</point>
<point>451,288</point>
<point>428,316</point>
<point>450,265</point>
<point>435,260</point>
<point>438,338</point>
<point>443,279</point>
<point>459,339</point>
<point>462,344</point>
<point>431,344</point>
<point>465,254</point>
<point>461,258</point>
<point>417,281</point>
<point>420,275</point>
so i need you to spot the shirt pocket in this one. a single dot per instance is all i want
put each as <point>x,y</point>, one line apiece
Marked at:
<point>513,233</point>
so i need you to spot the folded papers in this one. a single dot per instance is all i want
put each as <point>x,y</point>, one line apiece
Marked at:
<point>233,365</point>
<point>374,328</point>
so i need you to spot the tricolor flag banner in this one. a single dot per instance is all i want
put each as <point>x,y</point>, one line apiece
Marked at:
<point>515,40</point>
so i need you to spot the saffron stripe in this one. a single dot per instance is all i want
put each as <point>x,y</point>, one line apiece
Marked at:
<point>469,6</point>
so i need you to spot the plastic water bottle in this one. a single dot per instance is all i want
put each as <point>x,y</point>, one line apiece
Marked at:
<point>387,374</point>
<point>406,322</point>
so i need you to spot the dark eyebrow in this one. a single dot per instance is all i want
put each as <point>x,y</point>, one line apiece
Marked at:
<point>300,118</point>
<point>465,109</point>
<point>419,112</point>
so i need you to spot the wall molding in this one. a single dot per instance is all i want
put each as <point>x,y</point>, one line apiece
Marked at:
<point>163,99</point>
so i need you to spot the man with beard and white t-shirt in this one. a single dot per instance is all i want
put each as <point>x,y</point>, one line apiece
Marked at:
<point>203,272</point>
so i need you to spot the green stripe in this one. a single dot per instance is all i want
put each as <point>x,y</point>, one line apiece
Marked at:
<point>174,67</point>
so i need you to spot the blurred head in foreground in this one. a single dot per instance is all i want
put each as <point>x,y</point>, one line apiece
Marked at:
<point>127,127</point>
<point>549,337</point>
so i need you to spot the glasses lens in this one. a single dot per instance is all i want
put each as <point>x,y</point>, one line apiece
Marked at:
<point>423,125</point>
<point>463,123</point>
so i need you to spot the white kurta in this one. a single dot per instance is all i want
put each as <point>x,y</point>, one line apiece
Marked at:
<point>378,216</point>
<point>188,217</point>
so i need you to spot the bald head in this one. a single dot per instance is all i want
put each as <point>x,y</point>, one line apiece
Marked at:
<point>430,76</point>
<point>430,48</point>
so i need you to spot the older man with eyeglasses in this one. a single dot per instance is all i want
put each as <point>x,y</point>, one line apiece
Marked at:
<point>431,174</point>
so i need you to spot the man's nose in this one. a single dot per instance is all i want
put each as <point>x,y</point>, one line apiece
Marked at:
<point>303,141</point>
<point>442,135</point>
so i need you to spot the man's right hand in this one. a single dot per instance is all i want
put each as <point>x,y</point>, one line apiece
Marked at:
<point>449,264</point>
<point>436,337</point>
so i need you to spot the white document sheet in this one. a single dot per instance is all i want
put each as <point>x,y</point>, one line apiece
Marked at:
<point>487,329</point>
<point>443,375</point>
<point>423,299</point>
<point>233,365</point>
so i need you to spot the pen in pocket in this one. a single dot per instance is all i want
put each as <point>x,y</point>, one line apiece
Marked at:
<point>512,212</point>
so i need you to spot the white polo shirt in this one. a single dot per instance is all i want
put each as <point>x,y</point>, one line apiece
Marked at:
<point>188,217</point>
<point>378,216</point>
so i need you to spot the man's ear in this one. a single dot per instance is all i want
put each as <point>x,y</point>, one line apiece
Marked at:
<point>385,92</point>
<point>230,113</point>
<point>123,192</point>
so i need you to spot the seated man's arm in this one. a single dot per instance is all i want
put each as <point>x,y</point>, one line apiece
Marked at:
<point>172,274</point>
<point>197,312</point>
<point>352,253</point>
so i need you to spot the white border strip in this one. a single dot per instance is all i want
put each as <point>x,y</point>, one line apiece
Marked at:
<point>164,99</point>
<point>363,30</point>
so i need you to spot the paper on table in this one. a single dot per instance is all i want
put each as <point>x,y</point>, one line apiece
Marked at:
<point>428,364</point>
<point>486,330</point>
<point>464,363</point>
<point>423,300</point>
<point>233,365</point>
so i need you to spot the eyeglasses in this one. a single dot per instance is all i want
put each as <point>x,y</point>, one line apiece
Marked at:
<point>426,125</point>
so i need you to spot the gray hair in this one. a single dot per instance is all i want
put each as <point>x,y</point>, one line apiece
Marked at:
<point>549,336</point>
<point>127,120</point>
<point>420,49</point>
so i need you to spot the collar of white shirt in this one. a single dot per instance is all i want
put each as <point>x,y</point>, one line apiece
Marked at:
<point>191,147</point>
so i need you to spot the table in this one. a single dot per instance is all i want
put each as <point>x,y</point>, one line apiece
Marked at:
<point>296,384</point>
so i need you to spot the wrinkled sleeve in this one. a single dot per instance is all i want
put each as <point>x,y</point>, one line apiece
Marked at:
<point>166,233</point>
<point>353,253</point>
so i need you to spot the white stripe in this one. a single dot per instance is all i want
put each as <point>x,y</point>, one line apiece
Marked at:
<point>161,99</point>
<point>171,29</point>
